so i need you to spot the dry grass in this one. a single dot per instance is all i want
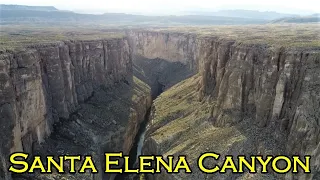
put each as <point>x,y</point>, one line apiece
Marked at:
<point>274,35</point>
<point>289,35</point>
<point>20,36</point>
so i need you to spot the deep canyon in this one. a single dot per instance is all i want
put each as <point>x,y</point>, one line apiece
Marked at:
<point>203,93</point>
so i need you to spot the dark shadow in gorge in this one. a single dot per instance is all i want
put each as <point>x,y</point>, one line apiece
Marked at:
<point>97,126</point>
<point>136,149</point>
<point>160,74</point>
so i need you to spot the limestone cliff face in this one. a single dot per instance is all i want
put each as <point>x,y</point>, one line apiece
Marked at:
<point>276,87</point>
<point>173,47</point>
<point>42,85</point>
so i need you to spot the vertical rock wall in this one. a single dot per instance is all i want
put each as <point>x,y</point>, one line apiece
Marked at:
<point>272,86</point>
<point>42,85</point>
<point>277,87</point>
<point>173,47</point>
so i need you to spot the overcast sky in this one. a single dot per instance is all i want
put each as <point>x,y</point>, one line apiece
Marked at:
<point>174,6</point>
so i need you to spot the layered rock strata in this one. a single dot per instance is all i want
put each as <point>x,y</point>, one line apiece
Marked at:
<point>273,87</point>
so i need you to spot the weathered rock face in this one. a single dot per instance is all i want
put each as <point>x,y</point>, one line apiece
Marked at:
<point>272,87</point>
<point>44,84</point>
<point>277,87</point>
<point>173,47</point>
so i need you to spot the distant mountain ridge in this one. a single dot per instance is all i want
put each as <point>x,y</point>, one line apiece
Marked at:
<point>20,14</point>
<point>241,13</point>
<point>24,7</point>
<point>314,18</point>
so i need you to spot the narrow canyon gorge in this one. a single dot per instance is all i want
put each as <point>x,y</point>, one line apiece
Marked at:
<point>181,93</point>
